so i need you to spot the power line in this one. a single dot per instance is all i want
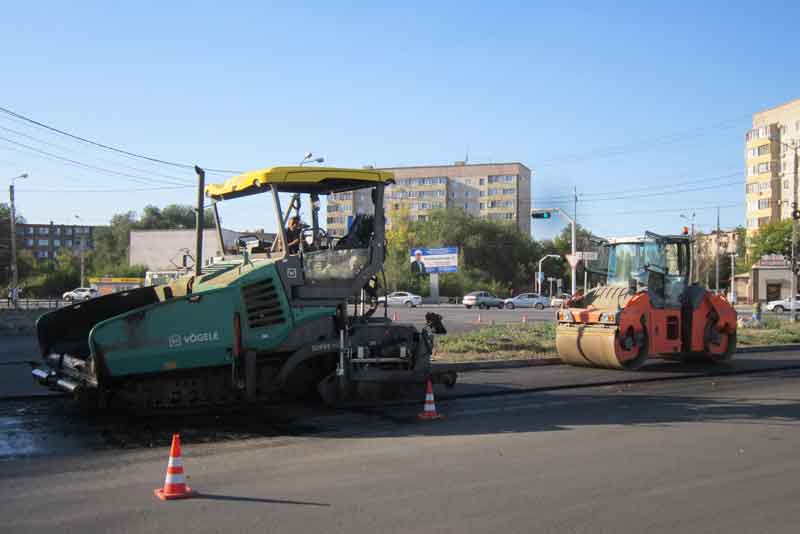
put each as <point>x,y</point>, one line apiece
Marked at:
<point>82,191</point>
<point>112,148</point>
<point>650,195</point>
<point>82,164</point>
<point>616,150</point>
<point>55,145</point>
<point>671,185</point>
<point>668,210</point>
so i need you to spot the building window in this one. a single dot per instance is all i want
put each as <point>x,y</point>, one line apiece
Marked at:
<point>763,203</point>
<point>763,149</point>
<point>752,222</point>
<point>503,178</point>
<point>763,186</point>
<point>56,243</point>
<point>68,230</point>
<point>480,206</point>
<point>29,242</point>
<point>29,230</point>
<point>763,167</point>
<point>42,254</point>
<point>752,205</point>
<point>68,243</point>
<point>57,230</point>
<point>751,188</point>
<point>43,230</point>
<point>482,181</point>
<point>43,243</point>
<point>509,191</point>
<point>422,218</point>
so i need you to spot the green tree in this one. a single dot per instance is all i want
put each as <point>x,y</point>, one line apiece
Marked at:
<point>772,238</point>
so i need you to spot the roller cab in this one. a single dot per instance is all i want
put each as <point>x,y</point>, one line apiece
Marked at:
<point>645,308</point>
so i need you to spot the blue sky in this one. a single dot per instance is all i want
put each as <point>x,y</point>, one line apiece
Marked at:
<point>633,98</point>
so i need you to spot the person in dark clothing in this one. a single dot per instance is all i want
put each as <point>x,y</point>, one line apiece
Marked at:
<point>417,266</point>
<point>293,235</point>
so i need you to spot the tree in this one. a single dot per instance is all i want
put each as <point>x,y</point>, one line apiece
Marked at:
<point>772,238</point>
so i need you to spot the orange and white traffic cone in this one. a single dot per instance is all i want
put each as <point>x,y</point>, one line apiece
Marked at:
<point>395,317</point>
<point>478,321</point>
<point>524,319</point>
<point>175,483</point>
<point>429,410</point>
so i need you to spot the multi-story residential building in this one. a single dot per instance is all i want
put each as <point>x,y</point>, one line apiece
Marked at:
<point>44,241</point>
<point>770,185</point>
<point>498,191</point>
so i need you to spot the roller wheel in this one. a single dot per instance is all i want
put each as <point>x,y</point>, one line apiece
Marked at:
<point>631,349</point>
<point>719,346</point>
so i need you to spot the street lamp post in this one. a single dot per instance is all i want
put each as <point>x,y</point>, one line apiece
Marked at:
<point>544,213</point>
<point>309,158</point>
<point>539,272</point>
<point>13,226</point>
<point>733,277</point>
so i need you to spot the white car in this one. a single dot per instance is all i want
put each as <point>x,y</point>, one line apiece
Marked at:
<point>527,300</point>
<point>80,293</point>
<point>401,298</point>
<point>558,300</point>
<point>780,306</point>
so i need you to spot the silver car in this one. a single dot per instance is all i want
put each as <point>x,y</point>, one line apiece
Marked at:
<point>527,300</point>
<point>402,298</point>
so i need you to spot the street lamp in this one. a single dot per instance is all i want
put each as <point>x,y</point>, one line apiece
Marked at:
<point>309,158</point>
<point>794,215</point>
<point>540,275</point>
<point>546,213</point>
<point>13,226</point>
<point>83,248</point>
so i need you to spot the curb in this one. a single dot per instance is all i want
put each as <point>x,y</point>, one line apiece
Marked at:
<point>555,360</point>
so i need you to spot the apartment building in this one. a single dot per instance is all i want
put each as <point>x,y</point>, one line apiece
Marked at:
<point>44,241</point>
<point>770,164</point>
<point>497,191</point>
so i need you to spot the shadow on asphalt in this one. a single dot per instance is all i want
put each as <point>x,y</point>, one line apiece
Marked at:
<point>488,405</point>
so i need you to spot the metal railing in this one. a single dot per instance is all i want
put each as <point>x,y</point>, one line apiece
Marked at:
<point>34,304</point>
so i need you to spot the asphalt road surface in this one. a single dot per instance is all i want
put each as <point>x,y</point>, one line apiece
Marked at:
<point>459,319</point>
<point>542,449</point>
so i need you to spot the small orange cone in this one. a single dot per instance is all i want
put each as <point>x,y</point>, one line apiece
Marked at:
<point>175,484</point>
<point>479,319</point>
<point>395,317</point>
<point>429,411</point>
<point>524,319</point>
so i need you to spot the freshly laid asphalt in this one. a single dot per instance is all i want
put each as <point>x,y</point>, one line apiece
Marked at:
<point>692,454</point>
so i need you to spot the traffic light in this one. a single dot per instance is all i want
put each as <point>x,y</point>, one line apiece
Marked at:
<point>540,214</point>
<point>795,211</point>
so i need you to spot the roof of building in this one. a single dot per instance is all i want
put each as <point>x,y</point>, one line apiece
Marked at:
<point>321,180</point>
<point>773,108</point>
<point>455,164</point>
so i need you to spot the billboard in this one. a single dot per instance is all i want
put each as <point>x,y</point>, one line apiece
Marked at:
<point>434,260</point>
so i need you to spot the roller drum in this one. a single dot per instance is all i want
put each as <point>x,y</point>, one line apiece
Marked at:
<point>595,346</point>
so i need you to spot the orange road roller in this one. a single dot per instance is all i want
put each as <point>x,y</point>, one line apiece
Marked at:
<point>645,307</point>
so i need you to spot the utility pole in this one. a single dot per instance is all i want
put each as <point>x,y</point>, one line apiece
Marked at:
<point>795,216</point>
<point>733,279</point>
<point>692,256</point>
<point>83,251</point>
<point>13,226</point>
<point>716,261</point>
<point>574,223</point>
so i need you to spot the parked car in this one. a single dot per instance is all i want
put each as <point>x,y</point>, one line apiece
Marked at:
<point>401,298</point>
<point>780,306</point>
<point>482,300</point>
<point>80,293</point>
<point>559,299</point>
<point>527,300</point>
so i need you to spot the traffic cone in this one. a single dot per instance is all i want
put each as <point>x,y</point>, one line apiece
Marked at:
<point>524,319</point>
<point>478,321</point>
<point>395,317</point>
<point>429,410</point>
<point>175,483</point>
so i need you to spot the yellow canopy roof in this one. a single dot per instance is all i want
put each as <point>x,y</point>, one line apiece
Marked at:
<point>320,180</point>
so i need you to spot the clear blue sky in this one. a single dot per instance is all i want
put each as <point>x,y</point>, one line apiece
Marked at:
<point>622,96</point>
